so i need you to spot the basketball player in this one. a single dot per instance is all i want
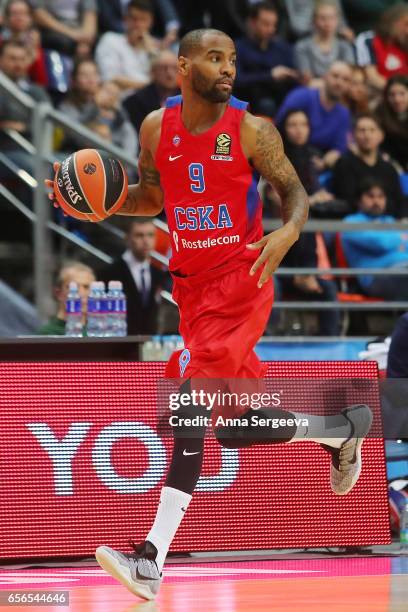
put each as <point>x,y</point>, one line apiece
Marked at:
<point>201,158</point>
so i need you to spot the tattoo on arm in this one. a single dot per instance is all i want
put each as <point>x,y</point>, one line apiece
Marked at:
<point>272,163</point>
<point>149,176</point>
<point>145,198</point>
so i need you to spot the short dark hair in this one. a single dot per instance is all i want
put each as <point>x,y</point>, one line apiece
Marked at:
<point>140,5</point>
<point>11,2</point>
<point>12,43</point>
<point>192,41</point>
<point>368,183</point>
<point>368,115</point>
<point>256,8</point>
<point>138,221</point>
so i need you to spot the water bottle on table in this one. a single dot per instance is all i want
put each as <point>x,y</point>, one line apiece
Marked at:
<point>96,311</point>
<point>122,314</point>
<point>116,325</point>
<point>73,310</point>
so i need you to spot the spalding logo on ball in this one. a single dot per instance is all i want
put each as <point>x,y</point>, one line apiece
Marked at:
<point>91,185</point>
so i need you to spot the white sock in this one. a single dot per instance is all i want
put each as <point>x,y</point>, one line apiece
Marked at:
<point>170,512</point>
<point>330,430</point>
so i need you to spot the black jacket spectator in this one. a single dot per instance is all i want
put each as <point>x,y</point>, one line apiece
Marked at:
<point>142,318</point>
<point>366,162</point>
<point>351,170</point>
<point>397,366</point>
<point>141,103</point>
<point>393,116</point>
<point>153,96</point>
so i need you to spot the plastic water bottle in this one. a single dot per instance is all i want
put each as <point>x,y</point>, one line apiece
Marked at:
<point>96,311</point>
<point>116,320</point>
<point>148,351</point>
<point>404,528</point>
<point>104,307</point>
<point>122,313</point>
<point>73,310</point>
<point>113,322</point>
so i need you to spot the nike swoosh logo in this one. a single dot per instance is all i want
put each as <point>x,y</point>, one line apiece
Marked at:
<point>171,158</point>
<point>186,453</point>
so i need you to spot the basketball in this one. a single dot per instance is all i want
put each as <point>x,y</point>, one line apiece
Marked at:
<point>91,185</point>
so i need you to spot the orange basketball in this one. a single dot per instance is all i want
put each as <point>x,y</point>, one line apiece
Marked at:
<point>91,185</point>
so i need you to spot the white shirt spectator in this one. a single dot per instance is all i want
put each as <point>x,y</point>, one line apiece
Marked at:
<point>117,58</point>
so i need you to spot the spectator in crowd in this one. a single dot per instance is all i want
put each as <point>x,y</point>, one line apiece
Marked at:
<point>265,64</point>
<point>153,96</point>
<point>364,160</point>
<point>358,97</point>
<point>68,26</point>
<point>97,107</point>
<point>142,282</point>
<point>295,130</point>
<point>330,120</point>
<point>393,116</point>
<point>111,16</point>
<point>230,16</point>
<point>14,62</point>
<point>127,58</point>
<point>309,287</point>
<point>386,52</point>
<point>363,15</point>
<point>315,54</point>
<point>397,366</point>
<point>374,248</point>
<point>19,25</point>
<point>300,18</point>
<point>72,271</point>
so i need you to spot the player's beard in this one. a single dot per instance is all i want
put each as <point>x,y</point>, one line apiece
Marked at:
<point>207,89</point>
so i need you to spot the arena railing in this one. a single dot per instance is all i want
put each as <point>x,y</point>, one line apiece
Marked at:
<point>43,119</point>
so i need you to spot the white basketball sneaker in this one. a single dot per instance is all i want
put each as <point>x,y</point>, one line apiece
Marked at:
<point>137,571</point>
<point>346,460</point>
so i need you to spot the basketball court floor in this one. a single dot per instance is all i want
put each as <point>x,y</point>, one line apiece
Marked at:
<point>373,584</point>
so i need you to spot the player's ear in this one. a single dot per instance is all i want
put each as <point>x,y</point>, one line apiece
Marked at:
<point>184,65</point>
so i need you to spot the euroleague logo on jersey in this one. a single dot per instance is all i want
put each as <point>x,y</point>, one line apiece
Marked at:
<point>222,148</point>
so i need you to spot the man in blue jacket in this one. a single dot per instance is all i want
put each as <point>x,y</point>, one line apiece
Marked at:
<point>376,248</point>
<point>265,63</point>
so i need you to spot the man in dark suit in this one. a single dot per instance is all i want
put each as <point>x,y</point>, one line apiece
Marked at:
<point>142,282</point>
<point>153,96</point>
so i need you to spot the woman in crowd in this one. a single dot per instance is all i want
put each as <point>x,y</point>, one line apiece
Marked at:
<point>316,53</point>
<point>93,104</point>
<point>295,133</point>
<point>19,26</point>
<point>393,116</point>
<point>358,98</point>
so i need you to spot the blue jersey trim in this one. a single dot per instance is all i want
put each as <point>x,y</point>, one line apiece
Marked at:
<point>239,104</point>
<point>252,197</point>
<point>173,101</point>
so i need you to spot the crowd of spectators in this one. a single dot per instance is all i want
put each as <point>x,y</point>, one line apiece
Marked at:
<point>331,74</point>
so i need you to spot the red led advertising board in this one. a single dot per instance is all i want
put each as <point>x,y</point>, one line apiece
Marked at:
<point>83,465</point>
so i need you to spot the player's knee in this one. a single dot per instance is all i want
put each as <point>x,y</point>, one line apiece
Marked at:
<point>231,437</point>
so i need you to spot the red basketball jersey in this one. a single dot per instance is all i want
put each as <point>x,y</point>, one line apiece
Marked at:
<point>210,191</point>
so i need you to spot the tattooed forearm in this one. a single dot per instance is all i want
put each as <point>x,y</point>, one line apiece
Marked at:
<point>145,198</point>
<point>149,175</point>
<point>272,163</point>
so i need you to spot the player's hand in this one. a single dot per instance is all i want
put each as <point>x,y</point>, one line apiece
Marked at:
<point>50,185</point>
<point>275,246</point>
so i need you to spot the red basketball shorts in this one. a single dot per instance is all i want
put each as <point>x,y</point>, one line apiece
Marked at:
<point>221,319</point>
